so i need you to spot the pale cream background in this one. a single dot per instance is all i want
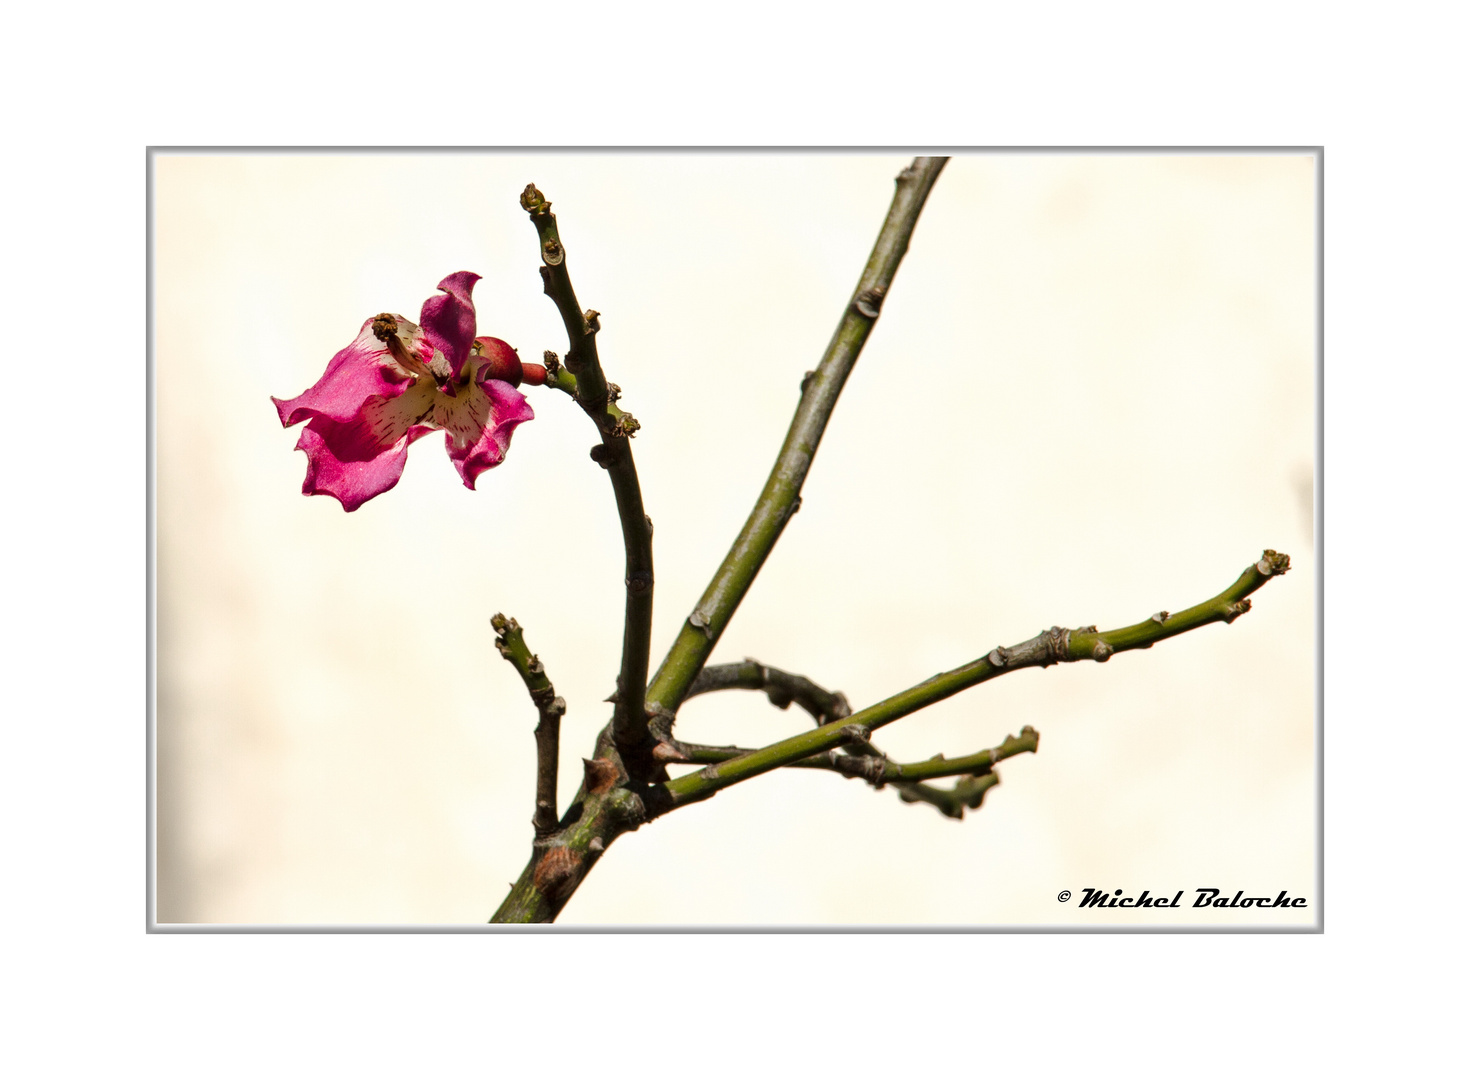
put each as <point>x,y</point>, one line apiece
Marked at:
<point>1090,397</point>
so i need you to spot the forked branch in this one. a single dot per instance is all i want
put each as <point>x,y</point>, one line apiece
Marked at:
<point>1049,647</point>
<point>783,688</point>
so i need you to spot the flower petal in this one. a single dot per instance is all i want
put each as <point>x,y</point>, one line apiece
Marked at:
<point>347,463</point>
<point>497,408</point>
<point>363,370</point>
<point>449,320</point>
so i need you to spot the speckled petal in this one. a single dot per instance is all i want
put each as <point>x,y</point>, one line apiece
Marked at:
<point>499,408</point>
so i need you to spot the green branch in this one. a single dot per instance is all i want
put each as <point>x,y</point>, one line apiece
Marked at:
<point>512,645</point>
<point>583,378</point>
<point>1049,647</point>
<point>857,758</point>
<point>877,768</point>
<point>782,494</point>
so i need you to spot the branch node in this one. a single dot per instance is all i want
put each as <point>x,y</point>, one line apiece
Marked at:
<point>1160,617</point>
<point>552,252</point>
<point>1056,643</point>
<point>998,656</point>
<point>601,454</point>
<point>806,380</point>
<point>1236,610</point>
<point>552,363</point>
<point>1101,651</point>
<point>870,301</point>
<point>597,845</point>
<point>700,621</point>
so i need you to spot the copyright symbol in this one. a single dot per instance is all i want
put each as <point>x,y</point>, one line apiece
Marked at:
<point>1064,896</point>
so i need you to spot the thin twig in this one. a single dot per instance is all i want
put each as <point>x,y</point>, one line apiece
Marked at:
<point>1049,647</point>
<point>781,687</point>
<point>782,493</point>
<point>512,645</point>
<point>968,793</point>
<point>591,389</point>
<point>878,769</point>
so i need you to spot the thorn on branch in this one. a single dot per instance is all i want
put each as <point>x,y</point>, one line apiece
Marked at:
<point>666,752</point>
<point>599,775</point>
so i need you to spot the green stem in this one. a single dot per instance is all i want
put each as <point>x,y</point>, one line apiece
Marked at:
<point>512,645</point>
<point>782,493</point>
<point>879,770</point>
<point>1047,648</point>
<point>584,379</point>
<point>782,688</point>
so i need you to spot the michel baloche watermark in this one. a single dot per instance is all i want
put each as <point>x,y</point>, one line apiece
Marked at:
<point>1098,898</point>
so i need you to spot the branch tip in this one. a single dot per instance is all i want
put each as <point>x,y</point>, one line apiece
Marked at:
<point>533,202</point>
<point>1273,563</point>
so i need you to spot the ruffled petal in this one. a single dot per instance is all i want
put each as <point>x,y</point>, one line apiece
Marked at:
<point>449,320</point>
<point>347,463</point>
<point>363,370</point>
<point>495,409</point>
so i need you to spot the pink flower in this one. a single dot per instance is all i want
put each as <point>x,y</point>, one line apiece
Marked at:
<point>397,382</point>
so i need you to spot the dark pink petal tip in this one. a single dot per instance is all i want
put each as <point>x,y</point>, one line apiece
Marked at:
<point>448,320</point>
<point>344,464</point>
